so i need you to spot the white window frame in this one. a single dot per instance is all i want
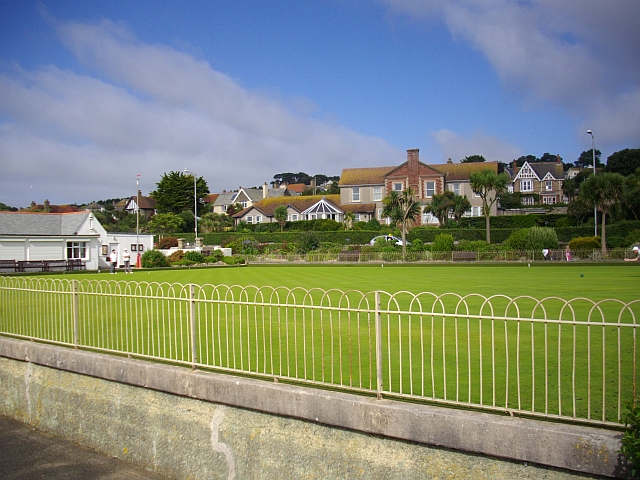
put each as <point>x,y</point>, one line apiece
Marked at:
<point>377,194</point>
<point>78,250</point>
<point>355,194</point>
<point>549,185</point>
<point>429,189</point>
<point>248,219</point>
<point>455,187</point>
<point>526,185</point>
<point>528,201</point>
<point>398,186</point>
<point>258,218</point>
<point>552,200</point>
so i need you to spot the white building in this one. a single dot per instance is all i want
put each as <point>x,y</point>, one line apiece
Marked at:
<point>64,236</point>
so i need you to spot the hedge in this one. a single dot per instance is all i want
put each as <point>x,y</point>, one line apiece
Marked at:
<point>425,234</point>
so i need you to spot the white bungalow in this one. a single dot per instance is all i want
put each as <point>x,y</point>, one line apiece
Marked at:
<point>64,236</point>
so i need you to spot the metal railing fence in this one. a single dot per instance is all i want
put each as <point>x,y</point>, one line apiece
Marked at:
<point>429,256</point>
<point>572,359</point>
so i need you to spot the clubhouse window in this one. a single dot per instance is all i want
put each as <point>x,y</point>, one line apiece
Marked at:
<point>76,250</point>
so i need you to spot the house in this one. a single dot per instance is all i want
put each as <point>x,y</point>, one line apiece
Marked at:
<point>48,208</point>
<point>372,184</point>
<point>308,207</point>
<point>147,205</point>
<point>64,236</point>
<point>246,197</point>
<point>538,182</point>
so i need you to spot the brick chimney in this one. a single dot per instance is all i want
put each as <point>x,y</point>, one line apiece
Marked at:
<point>413,158</point>
<point>265,190</point>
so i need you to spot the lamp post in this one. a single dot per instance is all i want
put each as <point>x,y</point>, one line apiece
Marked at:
<point>593,152</point>
<point>195,202</point>
<point>137,220</point>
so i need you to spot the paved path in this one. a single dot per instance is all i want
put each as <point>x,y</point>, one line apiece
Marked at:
<point>26,454</point>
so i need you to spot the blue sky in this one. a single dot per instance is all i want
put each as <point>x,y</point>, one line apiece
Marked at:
<point>93,93</point>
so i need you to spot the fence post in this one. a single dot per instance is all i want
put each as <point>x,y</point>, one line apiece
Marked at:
<point>194,336</point>
<point>74,301</point>
<point>378,320</point>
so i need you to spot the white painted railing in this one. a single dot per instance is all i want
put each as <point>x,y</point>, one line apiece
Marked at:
<point>563,359</point>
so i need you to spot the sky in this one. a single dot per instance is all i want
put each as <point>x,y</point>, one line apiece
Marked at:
<point>93,93</point>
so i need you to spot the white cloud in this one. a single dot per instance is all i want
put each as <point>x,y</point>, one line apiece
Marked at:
<point>456,147</point>
<point>75,138</point>
<point>578,54</point>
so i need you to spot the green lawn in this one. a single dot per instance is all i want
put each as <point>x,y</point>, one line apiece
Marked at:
<point>600,281</point>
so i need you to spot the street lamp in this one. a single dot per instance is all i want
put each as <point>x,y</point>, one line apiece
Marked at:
<point>137,220</point>
<point>593,152</point>
<point>195,201</point>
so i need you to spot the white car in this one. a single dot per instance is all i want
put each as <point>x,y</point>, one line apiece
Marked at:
<point>389,238</point>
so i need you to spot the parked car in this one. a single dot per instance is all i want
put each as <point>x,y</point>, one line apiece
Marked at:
<point>389,238</point>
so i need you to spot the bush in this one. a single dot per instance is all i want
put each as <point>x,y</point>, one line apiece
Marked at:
<point>585,243</point>
<point>194,256</point>
<point>541,237</point>
<point>632,238</point>
<point>615,242</point>
<point>165,243</point>
<point>631,439</point>
<point>234,260</point>
<point>518,239</point>
<point>443,243</point>
<point>176,257</point>
<point>473,245</point>
<point>307,242</point>
<point>417,246</point>
<point>213,256</point>
<point>154,259</point>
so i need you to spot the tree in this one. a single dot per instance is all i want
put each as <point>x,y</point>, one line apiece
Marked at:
<point>473,159</point>
<point>625,162</point>
<point>402,208</point>
<point>164,223</point>
<point>280,215</point>
<point>488,185</point>
<point>603,191</point>
<point>174,192</point>
<point>349,220</point>
<point>631,198</point>
<point>440,206</point>
<point>215,222</point>
<point>460,205</point>
<point>585,159</point>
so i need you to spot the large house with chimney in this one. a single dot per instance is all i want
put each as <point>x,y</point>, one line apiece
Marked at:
<point>363,189</point>
<point>538,182</point>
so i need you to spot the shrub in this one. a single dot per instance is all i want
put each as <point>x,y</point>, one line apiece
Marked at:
<point>615,241</point>
<point>176,257</point>
<point>417,246</point>
<point>154,259</point>
<point>165,243</point>
<point>541,237</point>
<point>443,243</point>
<point>631,439</point>
<point>234,260</point>
<point>585,243</point>
<point>194,256</point>
<point>308,241</point>
<point>632,238</point>
<point>473,245</point>
<point>518,239</point>
<point>214,256</point>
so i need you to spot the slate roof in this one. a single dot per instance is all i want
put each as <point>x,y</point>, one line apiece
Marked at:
<point>268,206</point>
<point>462,171</point>
<point>542,168</point>
<point>364,176</point>
<point>41,224</point>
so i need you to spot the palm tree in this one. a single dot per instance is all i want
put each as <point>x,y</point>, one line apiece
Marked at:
<point>402,208</point>
<point>488,185</point>
<point>460,205</point>
<point>603,191</point>
<point>280,215</point>
<point>440,206</point>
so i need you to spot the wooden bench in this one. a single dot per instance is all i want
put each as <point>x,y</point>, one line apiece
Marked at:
<point>76,264</point>
<point>464,256</point>
<point>10,265</point>
<point>29,265</point>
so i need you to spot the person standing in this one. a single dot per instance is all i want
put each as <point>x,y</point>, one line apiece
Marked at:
<point>126,257</point>
<point>636,252</point>
<point>113,259</point>
<point>567,253</point>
